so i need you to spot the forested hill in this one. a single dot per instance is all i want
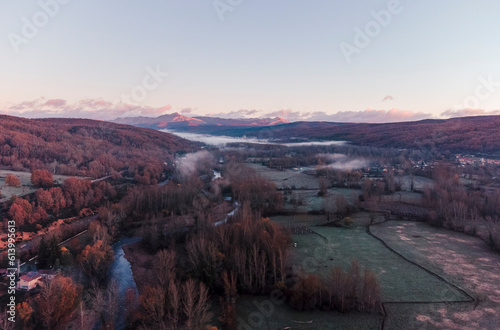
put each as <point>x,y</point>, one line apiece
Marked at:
<point>84,147</point>
<point>479,134</point>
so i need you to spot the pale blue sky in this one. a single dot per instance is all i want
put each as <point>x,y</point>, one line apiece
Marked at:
<point>265,55</point>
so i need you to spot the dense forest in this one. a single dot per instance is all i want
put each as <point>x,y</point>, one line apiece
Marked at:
<point>85,147</point>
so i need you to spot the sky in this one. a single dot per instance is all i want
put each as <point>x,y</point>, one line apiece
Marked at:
<point>338,60</point>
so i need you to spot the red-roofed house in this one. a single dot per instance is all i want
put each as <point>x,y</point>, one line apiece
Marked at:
<point>29,281</point>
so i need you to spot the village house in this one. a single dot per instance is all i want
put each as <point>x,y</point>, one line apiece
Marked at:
<point>29,281</point>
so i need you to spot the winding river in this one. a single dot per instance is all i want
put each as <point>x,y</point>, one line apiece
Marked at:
<point>121,272</point>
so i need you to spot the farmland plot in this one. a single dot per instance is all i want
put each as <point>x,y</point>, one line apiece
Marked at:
<point>256,312</point>
<point>463,260</point>
<point>400,280</point>
<point>313,202</point>
<point>287,178</point>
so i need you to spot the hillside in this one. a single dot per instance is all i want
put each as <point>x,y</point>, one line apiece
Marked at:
<point>468,134</point>
<point>84,147</point>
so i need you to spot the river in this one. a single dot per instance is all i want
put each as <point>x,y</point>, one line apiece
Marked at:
<point>121,272</point>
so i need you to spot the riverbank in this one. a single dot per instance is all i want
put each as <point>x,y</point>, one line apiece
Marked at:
<point>141,264</point>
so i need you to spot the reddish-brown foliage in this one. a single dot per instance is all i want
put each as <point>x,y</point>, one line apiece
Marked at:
<point>12,180</point>
<point>85,147</point>
<point>42,178</point>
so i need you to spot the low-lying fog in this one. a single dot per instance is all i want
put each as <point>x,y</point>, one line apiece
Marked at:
<point>222,140</point>
<point>343,162</point>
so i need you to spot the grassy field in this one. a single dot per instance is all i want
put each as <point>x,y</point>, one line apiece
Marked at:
<point>413,298</point>
<point>400,280</point>
<point>403,197</point>
<point>432,279</point>
<point>463,260</point>
<point>299,220</point>
<point>256,312</point>
<point>286,179</point>
<point>313,202</point>
<point>419,182</point>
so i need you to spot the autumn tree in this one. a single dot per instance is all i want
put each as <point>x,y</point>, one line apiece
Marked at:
<point>42,178</point>
<point>341,290</point>
<point>58,199</point>
<point>57,300</point>
<point>12,180</point>
<point>152,301</point>
<point>24,312</point>
<point>20,210</point>
<point>99,232</point>
<point>44,199</point>
<point>306,293</point>
<point>23,212</point>
<point>94,260</point>
<point>78,193</point>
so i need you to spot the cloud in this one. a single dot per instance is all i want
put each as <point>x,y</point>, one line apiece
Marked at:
<point>105,110</point>
<point>468,112</point>
<point>354,164</point>
<point>242,113</point>
<point>189,163</point>
<point>371,116</point>
<point>366,116</point>
<point>55,103</point>
<point>342,162</point>
<point>387,98</point>
<point>85,108</point>
<point>287,114</point>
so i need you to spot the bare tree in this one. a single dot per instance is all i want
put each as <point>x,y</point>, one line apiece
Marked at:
<point>196,305</point>
<point>164,266</point>
<point>174,304</point>
<point>340,204</point>
<point>370,296</point>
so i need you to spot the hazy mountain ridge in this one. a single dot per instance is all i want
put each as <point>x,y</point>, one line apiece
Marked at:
<point>176,120</point>
<point>478,134</point>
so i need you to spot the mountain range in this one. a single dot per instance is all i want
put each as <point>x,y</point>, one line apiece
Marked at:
<point>478,134</point>
<point>178,121</point>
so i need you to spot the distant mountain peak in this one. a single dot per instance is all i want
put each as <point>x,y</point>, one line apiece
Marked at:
<point>177,120</point>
